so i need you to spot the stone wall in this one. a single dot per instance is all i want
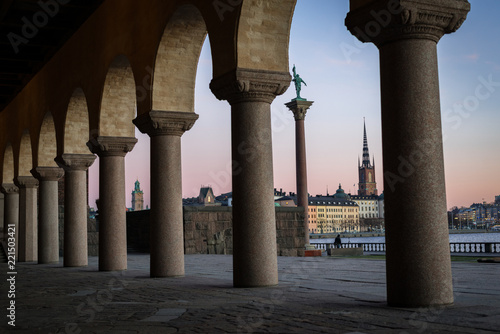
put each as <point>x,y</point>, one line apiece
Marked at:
<point>208,230</point>
<point>92,234</point>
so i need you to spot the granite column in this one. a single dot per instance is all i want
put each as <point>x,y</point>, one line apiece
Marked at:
<point>112,206</point>
<point>165,129</point>
<point>2,212</point>
<point>28,216</point>
<point>75,207</point>
<point>11,211</point>
<point>299,109</point>
<point>250,93</point>
<point>48,219</point>
<point>418,256</point>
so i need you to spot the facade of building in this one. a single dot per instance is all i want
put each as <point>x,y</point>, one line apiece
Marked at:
<point>367,184</point>
<point>381,207</point>
<point>137,197</point>
<point>368,205</point>
<point>477,216</point>
<point>333,214</point>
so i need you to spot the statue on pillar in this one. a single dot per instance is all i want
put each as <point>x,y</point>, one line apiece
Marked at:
<point>298,84</point>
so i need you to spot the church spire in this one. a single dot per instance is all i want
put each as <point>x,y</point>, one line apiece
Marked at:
<point>366,153</point>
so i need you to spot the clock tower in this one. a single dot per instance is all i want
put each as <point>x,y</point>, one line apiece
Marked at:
<point>367,184</point>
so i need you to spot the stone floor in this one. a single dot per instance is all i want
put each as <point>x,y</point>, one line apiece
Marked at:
<point>315,295</point>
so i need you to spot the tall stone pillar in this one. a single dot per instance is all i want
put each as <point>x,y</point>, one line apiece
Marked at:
<point>299,109</point>
<point>406,33</point>
<point>165,129</point>
<point>112,206</point>
<point>28,216</point>
<point>250,93</point>
<point>48,218</point>
<point>2,212</point>
<point>11,211</point>
<point>75,207</point>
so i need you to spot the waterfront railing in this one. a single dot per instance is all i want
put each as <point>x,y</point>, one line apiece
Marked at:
<point>455,247</point>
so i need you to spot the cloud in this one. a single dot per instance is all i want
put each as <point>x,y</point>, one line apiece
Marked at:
<point>345,62</point>
<point>494,65</point>
<point>472,57</point>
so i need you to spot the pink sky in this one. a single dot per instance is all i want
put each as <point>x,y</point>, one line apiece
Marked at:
<point>345,88</point>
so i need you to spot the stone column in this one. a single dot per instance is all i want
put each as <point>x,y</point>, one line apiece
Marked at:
<point>406,33</point>
<point>28,215</point>
<point>250,93</point>
<point>75,207</point>
<point>48,218</point>
<point>112,206</point>
<point>2,205</point>
<point>299,109</point>
<point>166,223</point>
<point>11,211</point>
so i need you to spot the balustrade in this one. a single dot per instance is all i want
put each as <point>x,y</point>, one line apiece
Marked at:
<point>455,247</point>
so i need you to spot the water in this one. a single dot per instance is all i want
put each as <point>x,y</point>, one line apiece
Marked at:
<point>465,237</point>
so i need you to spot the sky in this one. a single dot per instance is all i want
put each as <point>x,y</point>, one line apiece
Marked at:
<point>342,77</point>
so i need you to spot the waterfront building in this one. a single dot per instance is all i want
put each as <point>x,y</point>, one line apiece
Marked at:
<point>137,197</point>
<point>368,205</point>
<point>367,185</point>
<point>381,208</point>
<point>476,216</point>
<point>333,214</point>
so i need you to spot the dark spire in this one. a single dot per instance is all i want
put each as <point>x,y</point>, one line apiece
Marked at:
<point>366,153</point>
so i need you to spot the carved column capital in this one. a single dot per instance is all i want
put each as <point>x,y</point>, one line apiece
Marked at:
<point>71,162</point>
<point>47,173</point>
<point>246,85</point>
<point>9,188</point>
<point>161,123</point>
<point>299,108</point>
<point>111,146</point>
<point>385,21</point>
<point>26,182</point>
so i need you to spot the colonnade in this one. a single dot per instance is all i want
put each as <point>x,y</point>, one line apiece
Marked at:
<point>416,227</point>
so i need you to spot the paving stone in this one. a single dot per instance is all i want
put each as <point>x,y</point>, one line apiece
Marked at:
<point>315,295</point>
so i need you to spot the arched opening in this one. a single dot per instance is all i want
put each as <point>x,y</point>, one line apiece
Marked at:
<point>183,70</point>
<point>47,143</point>
<point>25,155</point>
<point>210,139</point>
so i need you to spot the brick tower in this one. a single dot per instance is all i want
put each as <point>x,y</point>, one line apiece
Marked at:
<point>367,184</point>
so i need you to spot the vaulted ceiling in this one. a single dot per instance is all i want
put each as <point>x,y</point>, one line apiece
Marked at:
<point>31,32</point>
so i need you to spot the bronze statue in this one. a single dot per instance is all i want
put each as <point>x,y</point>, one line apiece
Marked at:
<point>298,83</point>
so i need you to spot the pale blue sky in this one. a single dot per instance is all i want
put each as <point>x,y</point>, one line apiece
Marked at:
<point>345,88</point>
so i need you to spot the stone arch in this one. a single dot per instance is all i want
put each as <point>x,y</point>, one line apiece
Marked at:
<point>8,165</point>
<point>177,60</point>
<point>118,102</point>
<point>264,33</point>
<point>47,144</point>
<point>25,155</point>
<point>76,127</point>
